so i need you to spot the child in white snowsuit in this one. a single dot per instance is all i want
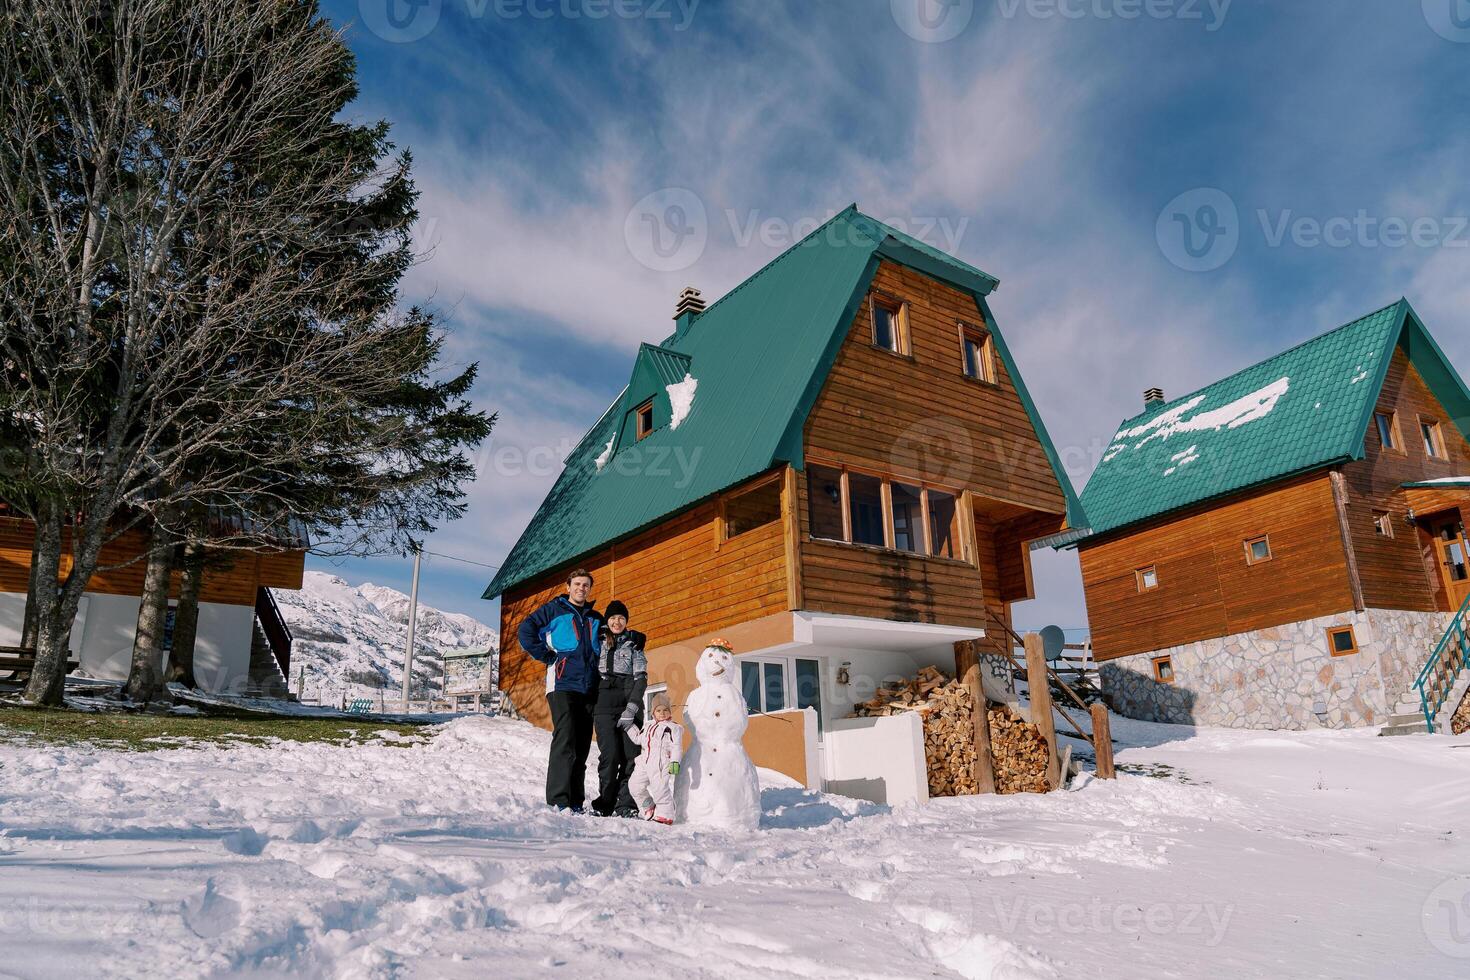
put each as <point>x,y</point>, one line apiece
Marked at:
<point>662,745</point>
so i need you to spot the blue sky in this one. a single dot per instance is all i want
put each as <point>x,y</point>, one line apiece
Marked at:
<point>1314,153</point>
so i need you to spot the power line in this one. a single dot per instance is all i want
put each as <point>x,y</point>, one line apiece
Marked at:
<point>457,558</point>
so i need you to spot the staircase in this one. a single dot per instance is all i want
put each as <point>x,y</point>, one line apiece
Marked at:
<point>270,650</point>
<point>1440,686</point>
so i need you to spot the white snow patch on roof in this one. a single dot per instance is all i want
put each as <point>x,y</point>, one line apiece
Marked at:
<point>681,396</point>
<point>1445,481</point>
<point>1113,451</point>
<point>1362,375</point>
<point>1251,408</point>
<point>1182,459</point>
<point>607,452</point>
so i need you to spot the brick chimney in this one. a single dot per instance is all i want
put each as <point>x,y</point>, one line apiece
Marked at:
<point>1153,397</point>
<point>691,304</point>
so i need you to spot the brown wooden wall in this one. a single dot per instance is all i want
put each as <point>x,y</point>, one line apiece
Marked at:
<point>1206,588</point>
<point>920,415</point>
<point>678,580</point>
<point>1394,570</point>
<point>235,584</point>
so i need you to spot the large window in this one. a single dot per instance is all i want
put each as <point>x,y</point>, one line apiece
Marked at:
<point>865,509</point>
<point>908,518</point>
<point>860,508</point>
<point>755,508</point>
<point>777,684</point>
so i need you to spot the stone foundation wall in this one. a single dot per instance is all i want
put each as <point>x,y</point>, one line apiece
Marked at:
<point>1281,678</point>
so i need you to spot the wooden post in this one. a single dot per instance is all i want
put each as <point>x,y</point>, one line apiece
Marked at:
<point>984,763</point>
<point>1039,688</point>
<point>1102,741</point>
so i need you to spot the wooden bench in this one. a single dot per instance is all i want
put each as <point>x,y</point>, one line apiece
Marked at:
<point>20,661</point>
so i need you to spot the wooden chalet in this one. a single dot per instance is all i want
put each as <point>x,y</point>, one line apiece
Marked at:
<point>1286,548</point>
<point>837,468</point>
<point>243,645</point>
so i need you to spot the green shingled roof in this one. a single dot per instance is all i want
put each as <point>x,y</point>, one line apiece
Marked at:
<point>758,359</point>
<point>1304,409</point>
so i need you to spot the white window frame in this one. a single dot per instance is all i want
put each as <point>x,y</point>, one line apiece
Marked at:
<point>788,679</point>
<point>648,693</point>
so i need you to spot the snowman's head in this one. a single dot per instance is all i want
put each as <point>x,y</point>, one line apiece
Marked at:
<point>716,665</point>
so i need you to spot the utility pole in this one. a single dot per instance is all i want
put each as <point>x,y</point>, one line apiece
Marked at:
<point>413,613</point>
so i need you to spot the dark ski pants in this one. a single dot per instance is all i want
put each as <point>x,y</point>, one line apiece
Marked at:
<point>616,752</point>
<point>571,740</point>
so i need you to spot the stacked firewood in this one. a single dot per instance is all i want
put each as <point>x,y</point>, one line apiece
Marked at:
<point>1018,751</point>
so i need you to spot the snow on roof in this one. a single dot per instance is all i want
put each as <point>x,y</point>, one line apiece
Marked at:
<point>1444,481</point>
<point>681,398</point>
<point>1251,408</point>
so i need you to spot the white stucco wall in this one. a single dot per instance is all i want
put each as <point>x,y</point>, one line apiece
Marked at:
<point>877,759</point>
<point>103,638</point>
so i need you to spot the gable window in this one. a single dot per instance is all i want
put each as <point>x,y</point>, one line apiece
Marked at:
<point>1258,550</point>
<point>977,353</point>
<point>1388,430</point>
<point>881,512</point>
<point>751,509</point>
<point>1148,578</point>
<point>1164,670</point>
<point>644,417</point>
<point>1433,439</point>
<point>890,323</point>
<point>1383,523</point>
<point>1342,641</point>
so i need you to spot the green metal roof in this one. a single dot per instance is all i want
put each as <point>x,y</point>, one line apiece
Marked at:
<point>758,359</point>
<point>1304,409</point>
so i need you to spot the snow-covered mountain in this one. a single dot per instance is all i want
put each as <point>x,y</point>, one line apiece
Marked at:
<point>350,639</point>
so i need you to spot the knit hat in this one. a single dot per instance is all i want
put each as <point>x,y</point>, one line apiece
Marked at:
<point>660,700</point>
<point>615,608</point>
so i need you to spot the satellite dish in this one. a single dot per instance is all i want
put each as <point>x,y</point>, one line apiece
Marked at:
<point>1053,641</point>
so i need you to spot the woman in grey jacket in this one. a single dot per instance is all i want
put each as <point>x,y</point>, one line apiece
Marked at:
<point>622,667</point>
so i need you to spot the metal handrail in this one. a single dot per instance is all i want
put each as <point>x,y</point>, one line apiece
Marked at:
<point>1455,633</point>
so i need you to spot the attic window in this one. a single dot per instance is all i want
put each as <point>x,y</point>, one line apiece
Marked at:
<point>1433,439</point>
<point>890,323</point>
<point>1148,578</point>
<point>977,353</point>
<point>1383,523</point>
<point>1388,430</point>
<point>1258,550</point>
<point>644,417</point>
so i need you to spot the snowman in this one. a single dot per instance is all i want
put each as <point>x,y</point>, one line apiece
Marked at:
<point>717,784</point>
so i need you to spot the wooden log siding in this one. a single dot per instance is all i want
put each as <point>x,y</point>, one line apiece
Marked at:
<point>234,585</point>
<point>1394,571</point>
<point>1206,588</point>
<point>679,580</point>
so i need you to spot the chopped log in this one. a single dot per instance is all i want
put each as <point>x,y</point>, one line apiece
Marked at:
<point>1102,742</point>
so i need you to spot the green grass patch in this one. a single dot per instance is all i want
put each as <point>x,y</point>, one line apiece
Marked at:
<point>146,732</point>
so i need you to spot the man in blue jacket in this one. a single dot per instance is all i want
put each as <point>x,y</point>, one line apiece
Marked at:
<point>563,635</point>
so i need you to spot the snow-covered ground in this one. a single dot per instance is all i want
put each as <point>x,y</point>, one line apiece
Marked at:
<point>1239,854</point>
<point>350,639</point>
